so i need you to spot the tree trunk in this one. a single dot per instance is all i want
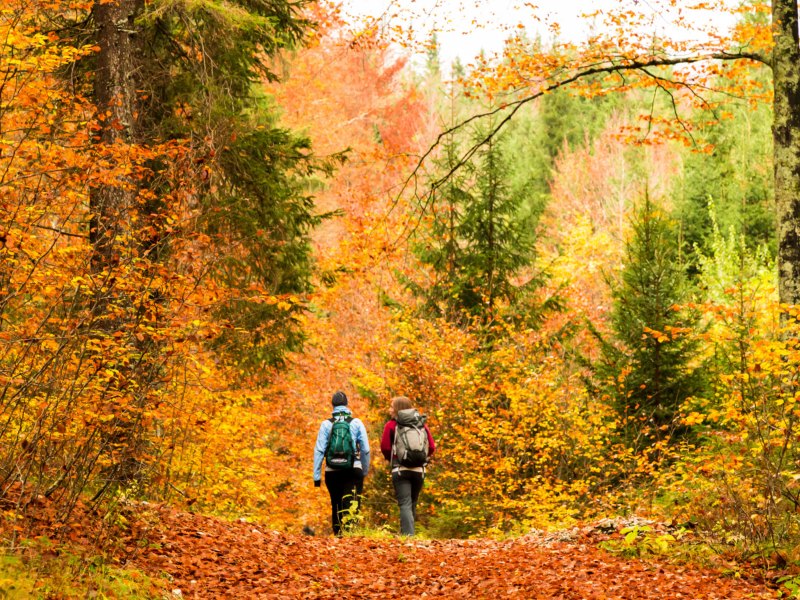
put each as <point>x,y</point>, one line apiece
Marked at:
<point>115,97</point>
<point>786,136</point>
<point>111,234</point>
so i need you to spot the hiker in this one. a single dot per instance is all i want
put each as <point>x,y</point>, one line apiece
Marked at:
<point>407,444</point>
<point>342,442</point>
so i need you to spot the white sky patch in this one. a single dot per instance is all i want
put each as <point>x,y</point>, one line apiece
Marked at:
<point>467,27</point>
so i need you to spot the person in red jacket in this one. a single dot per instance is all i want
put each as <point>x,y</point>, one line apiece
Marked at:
<point>407,480</point>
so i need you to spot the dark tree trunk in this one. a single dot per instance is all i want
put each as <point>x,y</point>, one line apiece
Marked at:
<point>112,237</point>
<point>115,97</point>
<point>786,135</point>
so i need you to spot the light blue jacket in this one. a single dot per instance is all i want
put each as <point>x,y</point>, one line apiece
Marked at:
<point>359,433</point>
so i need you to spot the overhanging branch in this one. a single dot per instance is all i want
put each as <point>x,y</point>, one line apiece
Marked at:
<point>512,107</point>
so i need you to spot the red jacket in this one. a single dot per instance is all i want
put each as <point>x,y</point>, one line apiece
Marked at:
<point>387,439</point>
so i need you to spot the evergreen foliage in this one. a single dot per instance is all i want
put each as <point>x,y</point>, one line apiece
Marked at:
<point>653,366</point>
<point>732,189</point>
<point>480,240</point>
<point>499,239</point>
<point>201,67</point>
<point>263,212</point>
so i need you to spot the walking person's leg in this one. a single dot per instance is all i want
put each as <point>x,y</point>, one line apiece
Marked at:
<point>337,490</point>
<point>403,493</point>
<point>417,480</point>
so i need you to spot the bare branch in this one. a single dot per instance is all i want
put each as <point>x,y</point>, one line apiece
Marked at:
<point>615,65</point>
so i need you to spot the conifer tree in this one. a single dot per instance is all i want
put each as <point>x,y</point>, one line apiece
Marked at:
<point>480,239</point>
<point>499,241</point>
<point>437,245</point>
<point>255,204</point>
<point>652,367</point>
<point>192,71</point>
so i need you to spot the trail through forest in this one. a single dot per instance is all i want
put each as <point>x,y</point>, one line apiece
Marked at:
<point>209,558</point>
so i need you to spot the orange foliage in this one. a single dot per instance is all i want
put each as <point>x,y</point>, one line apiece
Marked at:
<point>84,405</point>
<point>686,69</point>
<point>256,458</point>
<point>521,442</point>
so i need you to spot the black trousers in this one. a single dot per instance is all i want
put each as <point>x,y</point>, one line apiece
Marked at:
<point>345,488</point>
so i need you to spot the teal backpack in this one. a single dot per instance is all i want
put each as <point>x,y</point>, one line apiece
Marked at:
<point>341,451</point>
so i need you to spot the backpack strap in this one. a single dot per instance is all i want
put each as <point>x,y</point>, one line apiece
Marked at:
<point>393,454</point>
<point>348,419</point>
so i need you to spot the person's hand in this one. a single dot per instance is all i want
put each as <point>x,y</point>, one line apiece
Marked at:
<point>317,482</point>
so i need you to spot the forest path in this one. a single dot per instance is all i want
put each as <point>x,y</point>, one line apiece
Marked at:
<point>209,558</point>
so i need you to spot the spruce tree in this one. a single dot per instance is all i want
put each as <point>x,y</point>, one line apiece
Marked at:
<point>193,71</point>
<point>653,366</point>
<point>210,60</point>
<point>498,240</point>
<point>479,239</point>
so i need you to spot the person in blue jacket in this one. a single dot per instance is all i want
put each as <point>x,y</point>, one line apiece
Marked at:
<point>344,485</point>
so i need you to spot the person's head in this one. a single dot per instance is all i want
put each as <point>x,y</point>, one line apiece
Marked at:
<point>339,399</point>
<point>400,403</point>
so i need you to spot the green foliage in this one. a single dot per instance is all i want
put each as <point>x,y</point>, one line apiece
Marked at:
<point>449,523</point>
<point>499,238</point>
<point>566,120</point>
<point>731,188</point>
<point>39,569</point>
<point>641,541</point>
<point>730,262</point>
<point>657,366</point>
<point>352,519</point>
<point>562,121</point>
<point>480,240</point>
<point>262,211</point>
<point>202,65</point>
<point>791,583</point>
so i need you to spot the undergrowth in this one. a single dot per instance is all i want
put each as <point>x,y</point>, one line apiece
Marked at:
<point>38,568</point>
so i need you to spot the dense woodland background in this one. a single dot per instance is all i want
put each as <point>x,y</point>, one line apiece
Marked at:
<point>215,214</point>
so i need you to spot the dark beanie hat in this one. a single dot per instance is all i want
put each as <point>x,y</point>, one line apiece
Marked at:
<point>339,399</point>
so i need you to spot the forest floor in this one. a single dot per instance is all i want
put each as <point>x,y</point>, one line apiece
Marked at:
<point>194,556</point>
<point>209,558</point>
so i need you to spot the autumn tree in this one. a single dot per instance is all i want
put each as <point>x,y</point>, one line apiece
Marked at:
<point>195,69</point>
<point>169,215</point>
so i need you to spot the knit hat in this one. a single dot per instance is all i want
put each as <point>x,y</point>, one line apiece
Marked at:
<point>339,399</point>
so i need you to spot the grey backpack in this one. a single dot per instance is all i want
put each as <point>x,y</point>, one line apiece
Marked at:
<point>411,439</point>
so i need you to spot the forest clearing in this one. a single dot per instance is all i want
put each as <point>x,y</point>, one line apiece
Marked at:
<point>234,231</point>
